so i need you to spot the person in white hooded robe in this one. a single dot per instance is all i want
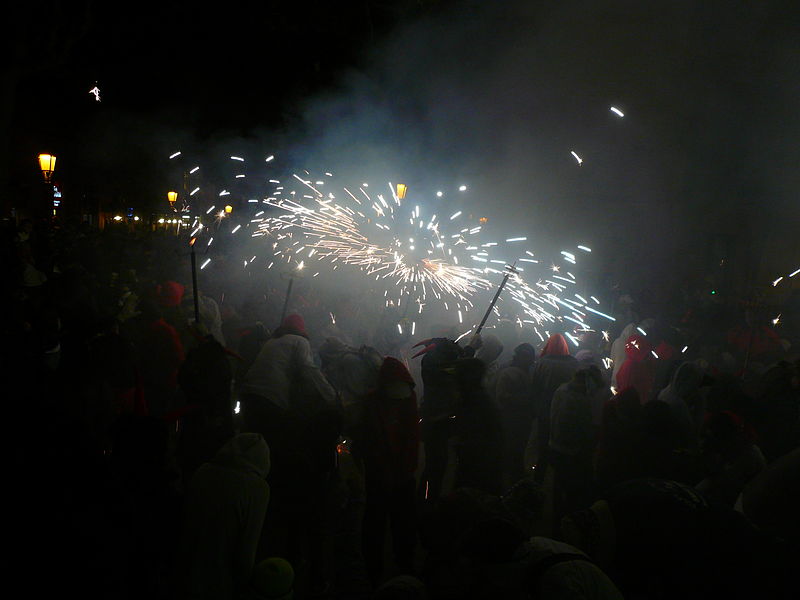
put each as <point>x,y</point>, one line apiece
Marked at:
<point>226,502</point>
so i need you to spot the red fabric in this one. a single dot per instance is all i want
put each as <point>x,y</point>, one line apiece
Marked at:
<point>637,348</point>
<point>556,346</point>
<point>665,351</point>
<point>638,370</point>
<point>165,350</point>
<point>392,434</point>
<point>758,340</point>
<point>169,293</point>
<point>296,323</point>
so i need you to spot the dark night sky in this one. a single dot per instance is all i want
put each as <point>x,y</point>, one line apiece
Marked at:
<point>498,93</point>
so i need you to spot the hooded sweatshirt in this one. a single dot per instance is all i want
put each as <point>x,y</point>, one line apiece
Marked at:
<point>678,395</point>
<point>638,370</point>
<point>618,351</point>
<point>283,368</point>
<point>390,429</point>
<point>554,368</point>
<point>489,353</point>
<point>226,502</point>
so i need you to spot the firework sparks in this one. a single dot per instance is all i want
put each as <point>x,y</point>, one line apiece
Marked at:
<point>392,240</point>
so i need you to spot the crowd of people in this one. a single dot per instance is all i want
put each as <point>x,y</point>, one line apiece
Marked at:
<point>259,455</point>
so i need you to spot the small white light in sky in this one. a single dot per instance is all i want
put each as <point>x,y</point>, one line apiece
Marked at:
<point>518,239</point>
<point>194,191</point>
<point>205,264</point>
<point>617,111</point>
<point>269,158</point>
<point>237,158</point>
<point>439,194</point>
<point>584,248</point>
<point>174,155</point>
<point>96,91</point>
<point>462,188</point>
<point>795,273</point>
<point>578,158</point>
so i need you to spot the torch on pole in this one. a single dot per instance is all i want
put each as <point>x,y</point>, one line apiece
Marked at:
<point>194,283</point>
<point>510,270</point>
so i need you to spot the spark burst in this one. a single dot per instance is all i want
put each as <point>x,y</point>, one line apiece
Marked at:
<point>416,260</point>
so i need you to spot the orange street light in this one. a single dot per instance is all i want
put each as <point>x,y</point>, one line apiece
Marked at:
<point>47,163</point>
<point>401,190</point>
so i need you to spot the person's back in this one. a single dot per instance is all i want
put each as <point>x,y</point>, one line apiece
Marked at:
<point>479,430</point>
<point>571,419</point>
<point>514,397</point>
<point>555,367</point>
<point>284,366</point>
<point>226,502</point>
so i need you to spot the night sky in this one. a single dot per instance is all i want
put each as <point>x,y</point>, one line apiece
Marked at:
<point>702,167</point>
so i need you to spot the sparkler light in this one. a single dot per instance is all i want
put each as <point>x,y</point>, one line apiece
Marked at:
<point>387,235</point>
<point>394,244</point>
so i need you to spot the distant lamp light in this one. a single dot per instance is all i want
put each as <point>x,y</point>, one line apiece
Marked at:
<point>483,220</point>
<point>401,190</point>
<point>228,209</point>
<point>135,218</point>
<point>47,163</point>
<point>172,197</point>
<point>118,218</point>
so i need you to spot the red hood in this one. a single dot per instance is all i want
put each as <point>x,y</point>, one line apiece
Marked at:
<point>169,293</point>
<point>556,346</point>
<point>665,351</point>
<point>637,348</point>
<point>394,370</point>
<point>295,324</point>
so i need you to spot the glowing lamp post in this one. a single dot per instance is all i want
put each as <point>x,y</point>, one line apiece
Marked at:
<point>401,190</point>
<point>228,209</point>
<point>172,197</point>
<point>47,163</point>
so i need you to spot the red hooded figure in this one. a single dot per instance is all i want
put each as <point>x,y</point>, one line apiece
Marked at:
<point>556,346</point>
<point>390,440</point>
<point>638,370</point>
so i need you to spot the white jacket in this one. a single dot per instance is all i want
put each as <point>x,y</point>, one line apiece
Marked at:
<point>285,366</point>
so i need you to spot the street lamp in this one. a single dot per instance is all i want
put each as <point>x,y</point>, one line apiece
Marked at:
<point>172,197</point>
<point>47,163</point>
<point>401,190</point>
<point>228,209</point>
